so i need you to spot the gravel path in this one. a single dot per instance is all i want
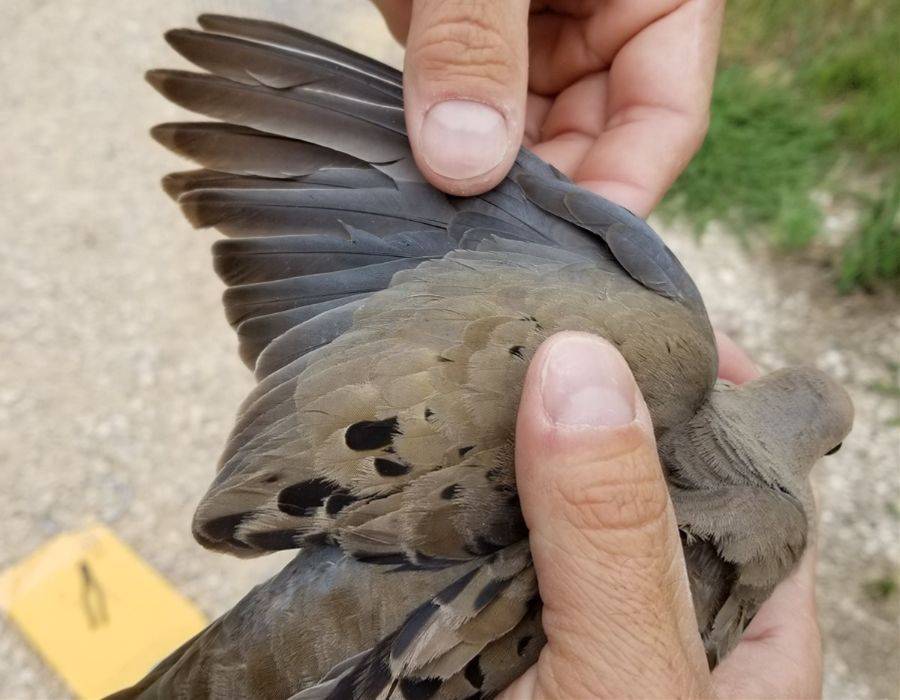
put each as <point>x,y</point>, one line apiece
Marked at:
<point>120,376</point>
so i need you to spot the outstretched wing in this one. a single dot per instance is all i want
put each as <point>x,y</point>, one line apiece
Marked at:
<point>312,178</point>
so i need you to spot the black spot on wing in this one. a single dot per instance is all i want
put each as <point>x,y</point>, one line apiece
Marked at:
<point>484,546</point>
<point>473,672</point>
<point>388,467</point>
<point>454,589</point>
<point>420,688</point>
<point>449,492</point>
<point>368,435</point>
<point>279,539</point>
<point>303,498</point>
<point>490,591</point>
<point>221,530</point>
<point>517,351</point>
<point>463,451</point>
<point>522,644</point>
<point>337,502</point>
<point>414,624</point>
<point>367,680</point>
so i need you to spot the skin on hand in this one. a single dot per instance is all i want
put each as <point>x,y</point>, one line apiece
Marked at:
<point>617,607</point>
<point>614,93</point>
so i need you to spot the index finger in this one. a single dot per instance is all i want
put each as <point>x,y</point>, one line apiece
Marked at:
<point>658,95</point>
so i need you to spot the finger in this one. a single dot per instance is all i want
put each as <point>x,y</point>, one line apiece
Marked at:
<point>565,46</point>
<point>608,557</point>
<point>536,108</point>
<point>659,89</point>
<point>735,365</point>
<point>466,74</point>
<point>573,123</point>
<point>396,15</point>
<point>784,639</point>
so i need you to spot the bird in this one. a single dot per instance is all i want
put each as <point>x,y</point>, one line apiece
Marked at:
<point>389,327</point>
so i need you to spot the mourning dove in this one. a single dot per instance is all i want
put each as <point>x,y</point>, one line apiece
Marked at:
<point>389,327</point>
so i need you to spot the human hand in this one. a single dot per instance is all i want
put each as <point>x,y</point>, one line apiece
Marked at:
<point>614,94</point>
<point>617,607</point>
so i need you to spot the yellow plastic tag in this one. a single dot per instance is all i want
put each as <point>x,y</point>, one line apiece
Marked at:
<point>99,615</point>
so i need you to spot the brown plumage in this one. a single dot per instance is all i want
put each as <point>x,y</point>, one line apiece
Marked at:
<point>390,327</point>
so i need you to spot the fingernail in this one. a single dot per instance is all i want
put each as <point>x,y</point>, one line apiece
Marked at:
<point>586,382</point>
<point>462,139</point>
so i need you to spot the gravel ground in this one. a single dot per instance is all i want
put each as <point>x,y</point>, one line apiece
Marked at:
<point>120,376</point>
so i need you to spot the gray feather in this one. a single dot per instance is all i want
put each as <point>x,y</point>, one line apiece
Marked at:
<point>242,151</point>
<point>314,47</point>
<point>633,243</point>
<point>255,63</point>
<point>262,298</point>
<point>310,335</point>
<point>368,131</point>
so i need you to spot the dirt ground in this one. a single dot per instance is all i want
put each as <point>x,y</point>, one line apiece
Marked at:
<point>120,378</point>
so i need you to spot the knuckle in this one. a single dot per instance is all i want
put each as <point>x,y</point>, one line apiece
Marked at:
<point>462,47</point>
<point>629,504</point>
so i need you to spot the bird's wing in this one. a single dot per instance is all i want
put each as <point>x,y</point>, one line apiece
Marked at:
<point>395,440</point>
<point>311,177</point>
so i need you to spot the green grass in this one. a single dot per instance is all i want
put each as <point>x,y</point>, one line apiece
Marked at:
<point>765,152</point>
<point>873,255</point>
<point>803,85</point>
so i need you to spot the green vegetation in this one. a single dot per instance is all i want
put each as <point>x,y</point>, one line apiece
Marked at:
<point>889,388</point>
<point>874,253</point>
<point>805,85</point>
<point>765,152</point>
<point>881,589</point>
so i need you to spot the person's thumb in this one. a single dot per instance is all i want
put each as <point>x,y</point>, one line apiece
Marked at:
<point>617,609</point>
<point>465,82</point>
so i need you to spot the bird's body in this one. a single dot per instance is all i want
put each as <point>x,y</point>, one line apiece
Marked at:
<point>390,328</point>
